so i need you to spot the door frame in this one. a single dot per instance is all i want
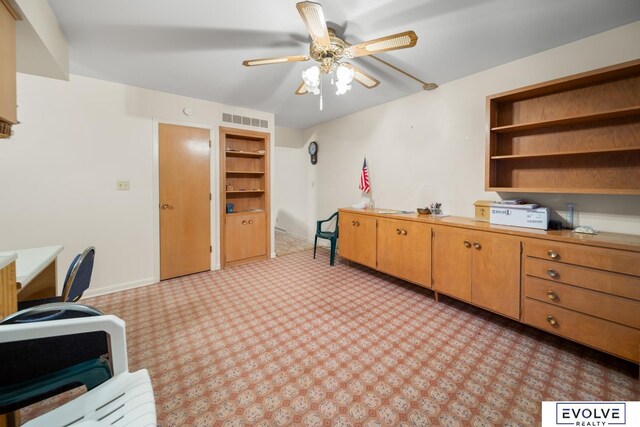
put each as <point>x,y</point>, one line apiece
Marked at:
<point>213,188</point>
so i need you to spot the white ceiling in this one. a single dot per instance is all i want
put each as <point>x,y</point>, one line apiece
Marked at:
<point>196,47</point>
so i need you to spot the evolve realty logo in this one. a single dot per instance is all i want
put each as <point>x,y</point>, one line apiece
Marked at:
<point>590,414</point>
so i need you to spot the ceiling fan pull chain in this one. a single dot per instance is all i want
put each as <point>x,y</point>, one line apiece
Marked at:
<point>320,92</point>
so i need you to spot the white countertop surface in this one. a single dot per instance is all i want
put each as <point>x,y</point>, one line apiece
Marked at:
<point>6,258</point>
<point>30,262</point>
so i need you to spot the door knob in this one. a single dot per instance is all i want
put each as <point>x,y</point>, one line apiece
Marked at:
<point>244,222</point>
<point>404,232</point>
<point>164,206</point>
<point>467,243</point>
<point>353,223</point>
<point>398,231</point>
<point>250,221</point>
<point>358,223</point>
<point>476,245</point>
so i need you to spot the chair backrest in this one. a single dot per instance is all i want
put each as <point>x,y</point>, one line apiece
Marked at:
<point>78,276</point>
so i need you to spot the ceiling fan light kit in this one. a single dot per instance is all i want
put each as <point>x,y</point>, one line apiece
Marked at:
<point>327,49</point>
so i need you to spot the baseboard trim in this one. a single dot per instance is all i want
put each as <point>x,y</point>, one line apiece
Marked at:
<point>119,287</point>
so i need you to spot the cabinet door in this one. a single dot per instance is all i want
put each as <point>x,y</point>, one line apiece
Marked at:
<point>496,273</point>
<point>452,252</point>
<point>235,247</point>
<point>358,239</point>
<point>256,235</point>
<point>7,66</point>
<point>404,250</point>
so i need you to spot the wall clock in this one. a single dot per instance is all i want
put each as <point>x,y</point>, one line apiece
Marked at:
<point>313,151</point>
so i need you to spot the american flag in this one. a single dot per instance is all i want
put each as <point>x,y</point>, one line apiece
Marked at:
<point>364,178</point>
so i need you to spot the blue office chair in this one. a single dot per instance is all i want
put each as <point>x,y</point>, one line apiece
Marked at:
<point>32,370</point>
<point>76,281</point>
<point>332,236</point>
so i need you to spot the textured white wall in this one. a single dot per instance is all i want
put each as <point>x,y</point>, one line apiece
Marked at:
<point>430,146</point>
<point>58,173</point>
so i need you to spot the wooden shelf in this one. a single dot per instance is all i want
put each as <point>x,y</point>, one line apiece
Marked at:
<point>566,153</point>
<point>244,153</point>
<point>588,142</point>
<point>620,191</point>
<point>244,164</point>
<point>244,173</point>
<point>584,118</point>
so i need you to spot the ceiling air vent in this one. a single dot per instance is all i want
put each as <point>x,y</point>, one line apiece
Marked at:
<point>243,120</point>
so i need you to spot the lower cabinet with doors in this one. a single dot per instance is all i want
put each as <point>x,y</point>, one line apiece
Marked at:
<point>358,238</point>
<point>398,247</point>
<point>404,250</point>
<point>584,288</point>
<point>478,267</point>
<point>246,237</point>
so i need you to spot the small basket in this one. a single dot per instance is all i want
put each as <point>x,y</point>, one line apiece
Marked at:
<point>5,130</point>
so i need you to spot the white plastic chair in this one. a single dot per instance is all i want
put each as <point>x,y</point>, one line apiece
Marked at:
<point>124,400</point>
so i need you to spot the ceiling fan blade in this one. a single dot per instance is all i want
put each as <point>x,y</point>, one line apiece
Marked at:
<point>364,78</point>
<point>313,18</point>
<point>383,44</point>
<point>302,89</point>
<point>279,60</point>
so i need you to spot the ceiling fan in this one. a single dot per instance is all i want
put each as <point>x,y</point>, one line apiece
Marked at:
<point>330,51</point>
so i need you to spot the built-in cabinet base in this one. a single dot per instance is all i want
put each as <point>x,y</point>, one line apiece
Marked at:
<point>584,288</point>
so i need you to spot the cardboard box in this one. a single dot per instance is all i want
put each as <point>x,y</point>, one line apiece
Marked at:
<point>518,217</point>
<point>482,209</point>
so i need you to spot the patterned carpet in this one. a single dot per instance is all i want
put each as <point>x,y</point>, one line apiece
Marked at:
<point>287,243</point>
<point>292,341</point>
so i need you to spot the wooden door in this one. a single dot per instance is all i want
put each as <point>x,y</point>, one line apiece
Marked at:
<point>496,273</point>
<point>415,264</point>
<point>452,262</point>
<point>347,240</point>
<point>256,235</point>
<point>365,250</point>
<point>185,219</point>
<point>358,239</point>
<point>404,250</point>
<point>389,246</point>
<point>235,237</point>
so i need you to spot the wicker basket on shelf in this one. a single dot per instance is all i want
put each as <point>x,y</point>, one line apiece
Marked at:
<point>5,129</point>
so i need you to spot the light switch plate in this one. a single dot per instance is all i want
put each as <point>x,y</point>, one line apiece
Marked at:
<point>122,185</point>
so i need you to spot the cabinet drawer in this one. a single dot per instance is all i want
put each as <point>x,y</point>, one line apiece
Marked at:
<point>608,307</point>
<point>600,258</point>
<point>616,339</point>
<point>597,280</point>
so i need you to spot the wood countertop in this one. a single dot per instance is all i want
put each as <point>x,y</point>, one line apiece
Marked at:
<point>628,242</point>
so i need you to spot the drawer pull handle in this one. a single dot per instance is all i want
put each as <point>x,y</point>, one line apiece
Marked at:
<point>398,231</point>
<point>467,243</point>
<point>250,221</point>
<point>552,254</point>
<point>244,222</point>
<point>476,245</point>
<point>552,321</point>
<point>552,296</point>
<point>404,232</point>
<point>353,223</point>
<point>552,273</point>
<point>357,223</point>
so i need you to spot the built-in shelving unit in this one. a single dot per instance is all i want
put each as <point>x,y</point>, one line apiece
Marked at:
<point>244,188</point>
<point>578,134</point>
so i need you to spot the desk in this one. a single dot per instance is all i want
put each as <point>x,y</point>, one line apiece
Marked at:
<point>35,271</point>
<point>25,274</point>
